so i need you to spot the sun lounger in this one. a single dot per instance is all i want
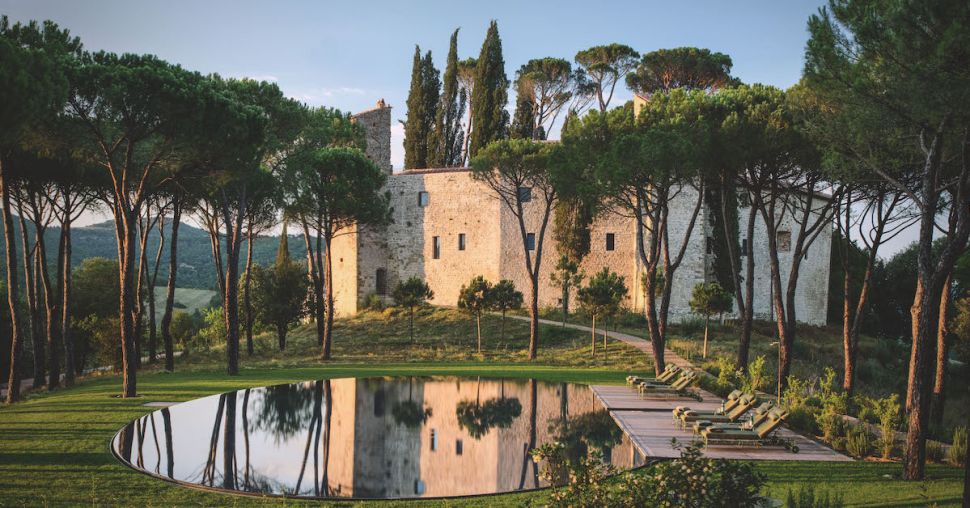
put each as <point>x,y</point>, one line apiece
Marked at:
<point>726,406</point>
<point>745,403</point>
<point>760,436</point>
<point>756,417</point>
<point>678,388</point>
<point>665,377</point>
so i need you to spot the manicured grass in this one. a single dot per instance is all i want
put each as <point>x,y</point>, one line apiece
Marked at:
<point>54,446</point>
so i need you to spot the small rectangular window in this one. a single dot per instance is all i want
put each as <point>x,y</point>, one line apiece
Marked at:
<point>436,247</point>
<point>380,283</point>
<point>423,199</point>
<point>610,241</point>
<point>530,241</point>
<point>461,241</point>
<point>434,440</point>
<point>525,194</point>
<point>784,241</point>
<point>744,247</point>
<point>459,447</point>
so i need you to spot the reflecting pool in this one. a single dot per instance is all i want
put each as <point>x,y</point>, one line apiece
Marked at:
<point>387,438</point>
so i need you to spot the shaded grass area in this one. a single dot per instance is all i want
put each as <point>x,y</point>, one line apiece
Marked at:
<point>54,446</point>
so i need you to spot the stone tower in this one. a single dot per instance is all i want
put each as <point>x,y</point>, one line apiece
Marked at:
<point>377,127</point>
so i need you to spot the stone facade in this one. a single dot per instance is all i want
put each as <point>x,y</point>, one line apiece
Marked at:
<point>436,207</point>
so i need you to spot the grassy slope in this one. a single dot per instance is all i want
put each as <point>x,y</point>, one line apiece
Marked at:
<point>54,447</point>
<point>192,299</point>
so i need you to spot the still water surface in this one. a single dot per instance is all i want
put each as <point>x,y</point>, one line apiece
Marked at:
<point>386,438</point>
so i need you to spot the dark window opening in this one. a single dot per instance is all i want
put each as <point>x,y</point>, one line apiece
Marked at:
<point>379,403</point>
<point>525,194</point>
<point>530,241</point>
<point>461,241</point>
<point>610,241</point>
<point>436,247</point>
<point>434,440</point>
<point>423,199</point>
<point>744,247</point>
<point>459,447</point>
<point>381,281</point>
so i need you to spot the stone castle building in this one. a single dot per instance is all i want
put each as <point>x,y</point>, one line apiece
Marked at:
<point>447,228</point>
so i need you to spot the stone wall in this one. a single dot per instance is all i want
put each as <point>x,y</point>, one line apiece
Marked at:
<point>457,204</point>
<point>377,126</point>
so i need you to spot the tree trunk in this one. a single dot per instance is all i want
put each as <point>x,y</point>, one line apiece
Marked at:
<point>281,336</point>
<point>707,324</point>
<point>328,301</point>
<point>247,302</point>
<point>51,312</point>
<point>565,303</point>
<point>606,332</point>
<point>592,338</point>
<point>33,317</point>
<point>411,323</point>
<point>942,355</point>
<point>125,226</point>
<point>231,307</point>
<point>170,289</point>
<point>503,326</point>
<point>13,287</point>
<point>478,323</point>
<point>152,332</point>
<point>64,270</point>
<point>534,316</point>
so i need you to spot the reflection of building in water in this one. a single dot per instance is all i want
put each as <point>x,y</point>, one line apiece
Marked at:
<point>378,424</point>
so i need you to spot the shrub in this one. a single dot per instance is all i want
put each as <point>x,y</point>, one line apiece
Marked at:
<point>934,451</point>
<point>757,377</point>
<point>805,497</point>
<point>803,420</point>
<point>692,326</point>
<point>885,411</point>
<point>835,403</point>
<point>373,302</point>
<point>727,377</point>
<point>858,442</point>
<point>957,453</point>
<point>693,480</point>
<point>690,480</point>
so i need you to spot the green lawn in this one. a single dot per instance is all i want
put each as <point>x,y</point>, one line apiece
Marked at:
<point>54,446</point>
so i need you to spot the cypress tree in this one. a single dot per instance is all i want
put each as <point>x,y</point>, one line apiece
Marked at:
<point>422,105</point>
<point>448,135</point>
<point>524,120</point>
<point>490,95</point>
<point>283,252</point>
<point>415,138</point>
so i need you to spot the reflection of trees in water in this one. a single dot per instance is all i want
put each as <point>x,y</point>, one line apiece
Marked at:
<point>318,429</point>
<point>408,412</point>
<point>533,436</point>
<point>284,410</point>
<point>588,430</point>
<point>478,418</point>
<point>169,447</point>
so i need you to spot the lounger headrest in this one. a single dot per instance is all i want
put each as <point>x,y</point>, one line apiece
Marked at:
<point>733,395</point>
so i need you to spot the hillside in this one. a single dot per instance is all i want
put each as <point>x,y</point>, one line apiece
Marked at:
<point>196,269</point>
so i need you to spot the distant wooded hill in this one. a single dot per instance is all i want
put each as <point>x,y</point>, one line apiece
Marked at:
<point>196,269</point>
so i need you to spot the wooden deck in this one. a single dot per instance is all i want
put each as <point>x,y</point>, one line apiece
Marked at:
<point>649,425</point>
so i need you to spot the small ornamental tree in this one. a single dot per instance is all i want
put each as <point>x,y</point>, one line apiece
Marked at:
<point>708,299</point>
<point>279,292</point>
<point>602,298</point>
<point>473,298</point>
<point>504,297</point>
<point>566,277</point>
<point>412,293</point>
